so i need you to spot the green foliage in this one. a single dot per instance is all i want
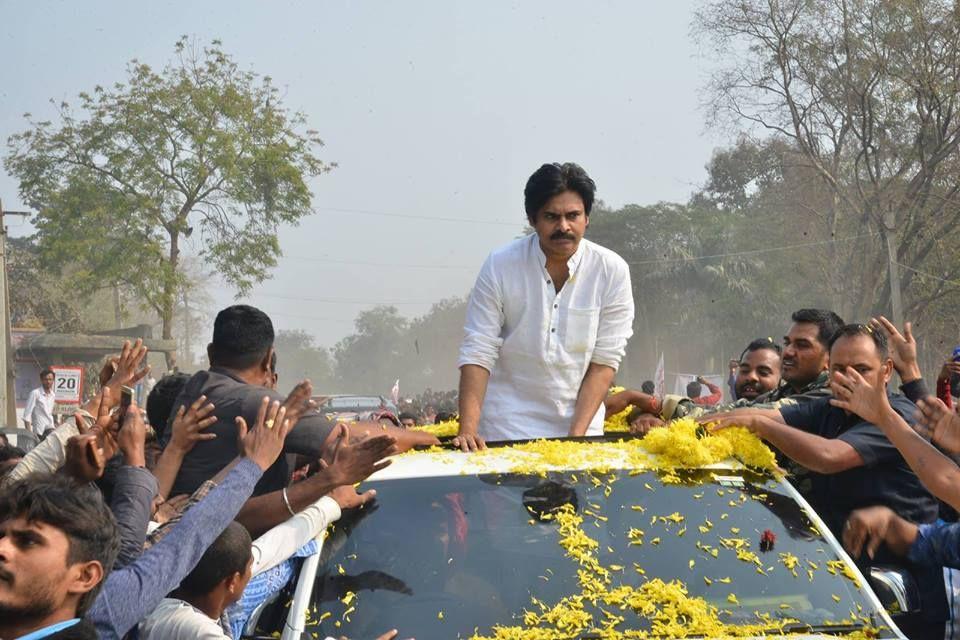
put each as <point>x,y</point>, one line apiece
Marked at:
<point>298,358</point>
<point>200,147</point>
<point>385,346</point>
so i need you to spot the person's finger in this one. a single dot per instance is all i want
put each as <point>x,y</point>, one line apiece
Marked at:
<point>195,406</point>
<point>389,635</point>
<point>383,464</point>
<point>283,425</point>
<point>367,496</point>
<point>338,442</point>
<point>262,412</point>
<point>889,327</point>
<point>81,422</point>
<point>206,422</point>
<point>908,332</point>
<point>853,539</point>
<point>180,412</point>
<point>139,375</point>
<point>124,353</point>
<point>103,412</point>
<point>840,404</point>
<point>242,428</point>
<point>856,379</point>
<point>204,411</point>
<point>873,544</point>
<point>272,412</point>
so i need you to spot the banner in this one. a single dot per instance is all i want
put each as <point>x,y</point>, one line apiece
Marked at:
<point>395,393</point>
<point>659,378</point>
<point>67,384</point>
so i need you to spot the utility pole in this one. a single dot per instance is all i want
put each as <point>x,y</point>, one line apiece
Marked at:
<point>8,398</point>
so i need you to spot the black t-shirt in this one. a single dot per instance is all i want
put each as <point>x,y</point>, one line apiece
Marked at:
<point>233,397</point>
<point>884,479</point>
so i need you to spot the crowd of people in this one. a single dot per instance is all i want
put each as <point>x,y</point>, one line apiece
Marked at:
<point>99,538</point>
<point>109,529</point>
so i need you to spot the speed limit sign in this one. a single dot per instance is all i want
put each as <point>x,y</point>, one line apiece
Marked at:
<point>67,384</point>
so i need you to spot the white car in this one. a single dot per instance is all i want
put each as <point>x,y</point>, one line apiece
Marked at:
<point>584,540</point>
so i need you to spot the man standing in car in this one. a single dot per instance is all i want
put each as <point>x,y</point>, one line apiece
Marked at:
<point>547,322</point>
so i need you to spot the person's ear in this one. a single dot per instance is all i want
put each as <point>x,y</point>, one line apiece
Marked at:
<point>84,577</point>
<point>265,361</point>
<point>887,370</point>
<point>233,583</point>
<point>210,354</point>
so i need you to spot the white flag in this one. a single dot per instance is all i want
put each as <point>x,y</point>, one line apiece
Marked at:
<point>395,392</point>
<point>659,378</point>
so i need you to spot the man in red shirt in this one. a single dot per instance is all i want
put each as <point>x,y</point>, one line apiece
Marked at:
<point>695,388</point>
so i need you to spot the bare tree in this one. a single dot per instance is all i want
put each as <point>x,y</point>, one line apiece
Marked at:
<point>867,93</point>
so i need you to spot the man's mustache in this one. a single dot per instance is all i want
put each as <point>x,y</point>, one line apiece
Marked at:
<point>560,235</point>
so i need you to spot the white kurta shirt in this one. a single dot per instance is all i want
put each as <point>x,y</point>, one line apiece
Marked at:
<point>537,343</point>
<point>39,410</point>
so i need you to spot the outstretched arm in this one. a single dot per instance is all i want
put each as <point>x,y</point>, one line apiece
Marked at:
<point>819,454</point>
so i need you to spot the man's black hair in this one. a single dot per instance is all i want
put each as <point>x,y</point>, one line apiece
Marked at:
<point>648,387</point>
<point>76,509</point>
<point>828,323</point>
<point>10,452</point>
<point>227,555</point>
<point>47,371</point>
<point>851,330</point>
<point>443,416</point>
<point>242,335</point>
<point>553,179</point>
<point>406,415</point>
<point>759,344</point>
<point>161,398</point>
<point>694,389</point>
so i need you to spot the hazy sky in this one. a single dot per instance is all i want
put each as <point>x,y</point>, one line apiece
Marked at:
<point>432,110</point>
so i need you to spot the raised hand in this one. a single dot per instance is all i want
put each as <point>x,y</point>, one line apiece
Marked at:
<point>949,369</point>
<point>942,423</point>
<point>132,437</point>
<point>903,347</point>
<point>87,453</point>
<point>350,464</point>
<point>854,394</point>
<point>299,402</point>
<point>264,443</point>
<point>188,425</point>
<point>866,527</point>
<point>127,369</point>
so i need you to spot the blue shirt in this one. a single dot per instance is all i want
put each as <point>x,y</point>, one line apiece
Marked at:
<point>883,479</point>
<point>49,631</point>
<point>937,544</point>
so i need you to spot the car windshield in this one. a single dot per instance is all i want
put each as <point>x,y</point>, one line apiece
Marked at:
<point>456,556</point>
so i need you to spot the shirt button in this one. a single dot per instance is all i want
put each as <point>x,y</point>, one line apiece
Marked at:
<point>553,330</point>
<point>555,306</point>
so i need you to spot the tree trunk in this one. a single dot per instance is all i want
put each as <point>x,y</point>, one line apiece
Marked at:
<point>893,268</point>
<point>170,296</point>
